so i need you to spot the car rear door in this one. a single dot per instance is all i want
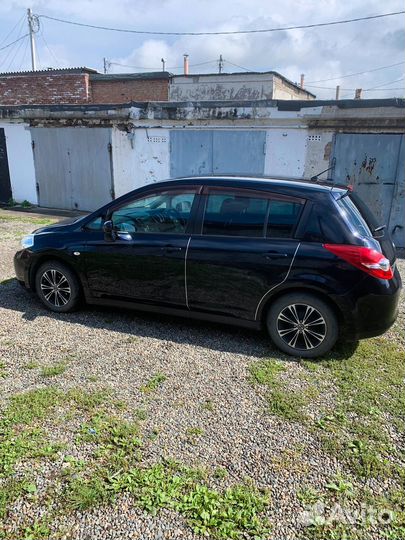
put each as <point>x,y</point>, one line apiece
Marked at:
<point>243,248</point>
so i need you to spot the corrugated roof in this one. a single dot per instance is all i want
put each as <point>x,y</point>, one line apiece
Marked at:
<point>49,71</point>
<point>129,76</point>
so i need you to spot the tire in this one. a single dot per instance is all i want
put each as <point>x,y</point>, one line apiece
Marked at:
<point>300,324</point>
<point>57,287</point>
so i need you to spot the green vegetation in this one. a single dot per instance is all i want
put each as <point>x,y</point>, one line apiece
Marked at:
<point>282,402</point>
<point>31,365</point>
<point>26,204</point>
<point>53,371</point>
<point>154,383</point>
<point>26,218</point>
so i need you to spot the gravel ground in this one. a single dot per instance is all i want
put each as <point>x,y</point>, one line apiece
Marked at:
<point>203,364</point>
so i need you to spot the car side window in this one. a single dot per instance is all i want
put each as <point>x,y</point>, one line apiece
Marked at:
<point>164,212</point>
<point>283,218</point>
<point>234,214</point>
<point>95,225</point>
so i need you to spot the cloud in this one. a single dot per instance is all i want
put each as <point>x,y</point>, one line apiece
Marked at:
<point>321,53</point>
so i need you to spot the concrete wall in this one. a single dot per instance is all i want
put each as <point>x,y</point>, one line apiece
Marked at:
<point>139,158</point>
<point>233,86</point>
<point>20,162</point>
<point>219,87</point>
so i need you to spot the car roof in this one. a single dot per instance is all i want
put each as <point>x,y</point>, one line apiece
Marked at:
<point>260,182</point>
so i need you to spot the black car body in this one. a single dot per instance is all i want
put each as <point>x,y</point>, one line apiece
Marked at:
<point>228,249</point>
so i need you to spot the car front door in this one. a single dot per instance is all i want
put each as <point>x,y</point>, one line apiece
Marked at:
<point>145,260</point>
<point>245,249</point>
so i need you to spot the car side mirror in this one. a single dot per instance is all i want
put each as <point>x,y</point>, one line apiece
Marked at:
<point>109,232</point>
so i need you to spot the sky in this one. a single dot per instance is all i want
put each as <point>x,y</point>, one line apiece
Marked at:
<point>322,53</point>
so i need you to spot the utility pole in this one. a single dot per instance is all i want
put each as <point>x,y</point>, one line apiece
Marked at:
<point>32,20</point>
<point>105,65</point>
<point>337,92</point>
<point>220,64</point>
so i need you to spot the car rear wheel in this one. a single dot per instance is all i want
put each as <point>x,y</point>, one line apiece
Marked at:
<point>57,287</point>
<point>301,324</point>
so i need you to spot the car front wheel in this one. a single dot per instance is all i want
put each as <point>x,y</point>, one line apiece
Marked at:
<point>57,287</point>
<point>301,324</point>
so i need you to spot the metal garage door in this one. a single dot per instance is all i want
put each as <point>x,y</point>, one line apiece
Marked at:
<point>194,152</point>
<point>5,185</point>
<point>374,165</point>
<point>73,167</point>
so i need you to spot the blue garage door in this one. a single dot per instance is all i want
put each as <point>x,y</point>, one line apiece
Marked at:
<point>373,164</point>
<point>197,152</point>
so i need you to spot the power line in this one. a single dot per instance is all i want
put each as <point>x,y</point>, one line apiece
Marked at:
<point>12,43</point>
<point>12,30</point>
<point>260,31</point>
<point>24,54</point>
<point>41,34</point>
<point>159,68</point>
<point>17,50</point>
<point>358,73</point>
<point>378,86</point>
<point>236,65</point>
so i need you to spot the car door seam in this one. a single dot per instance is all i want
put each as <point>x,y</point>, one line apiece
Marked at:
<point>278,284</point>
<point>185,273</point>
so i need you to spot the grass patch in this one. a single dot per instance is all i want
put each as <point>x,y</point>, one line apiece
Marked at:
<point>31,365</point>
<point>24,218</point>
<point>55,370</point>
<point>370,404</point>
<point>282,402</point>
<point>154,383</point>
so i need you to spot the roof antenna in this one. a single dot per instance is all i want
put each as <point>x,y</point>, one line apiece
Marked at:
<point>331,168</point>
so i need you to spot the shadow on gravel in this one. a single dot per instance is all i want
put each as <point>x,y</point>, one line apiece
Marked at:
<point>142,324</point>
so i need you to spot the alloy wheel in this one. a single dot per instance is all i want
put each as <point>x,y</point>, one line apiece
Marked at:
<point>301,326</point>
<point>55,288</point>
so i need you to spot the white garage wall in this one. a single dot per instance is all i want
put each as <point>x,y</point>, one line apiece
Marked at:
<point>20,162</point>
<point>139,158</point>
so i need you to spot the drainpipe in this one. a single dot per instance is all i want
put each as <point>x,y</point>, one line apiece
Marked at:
<point>185,64</point>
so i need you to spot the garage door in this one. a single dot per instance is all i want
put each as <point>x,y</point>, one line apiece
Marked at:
<point>198,152</point>
<point>373,164</point>
<point>73,167</point>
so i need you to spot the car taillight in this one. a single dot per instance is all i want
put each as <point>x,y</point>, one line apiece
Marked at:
<point>367,259</point>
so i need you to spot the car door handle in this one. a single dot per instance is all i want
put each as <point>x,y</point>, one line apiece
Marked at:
<point>274,255</point>
<point>171,249</point>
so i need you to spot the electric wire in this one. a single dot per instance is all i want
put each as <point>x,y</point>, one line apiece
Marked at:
<point>159,68</point>
<point>358,73</point>
<point>218,33</point>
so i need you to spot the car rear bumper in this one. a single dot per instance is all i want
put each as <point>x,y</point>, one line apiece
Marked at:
<point>374,308</point>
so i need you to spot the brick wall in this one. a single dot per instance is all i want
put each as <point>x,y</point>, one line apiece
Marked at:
<point>44,89</point>
<point>129,90</point>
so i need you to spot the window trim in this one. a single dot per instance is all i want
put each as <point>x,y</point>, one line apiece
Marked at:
<point>270,196</point>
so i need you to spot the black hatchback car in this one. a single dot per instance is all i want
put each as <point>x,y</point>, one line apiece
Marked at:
<point>306,260</point>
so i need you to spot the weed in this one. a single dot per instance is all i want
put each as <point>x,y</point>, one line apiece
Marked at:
<point>308,495</point>
<point>340,486</point>
<point>154,383</point>
<point>208,405</point>
<point>32,405</point>
<point>221,473</point>
<point>53,371</point>
<point>31,365</point>
<point>38,530</point>
<point>26,204</point>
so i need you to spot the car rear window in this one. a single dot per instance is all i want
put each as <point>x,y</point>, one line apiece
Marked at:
<point>353,215</point>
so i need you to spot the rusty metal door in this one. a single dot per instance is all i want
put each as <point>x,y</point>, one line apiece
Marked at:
<point>73,167</point>
<point>373,164</point>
